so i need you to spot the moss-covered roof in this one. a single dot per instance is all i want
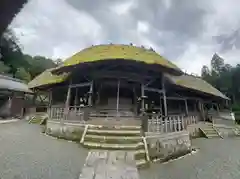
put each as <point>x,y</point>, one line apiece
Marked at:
<point>113,51</point>
<point>195,83</point>
<point>47,78</point>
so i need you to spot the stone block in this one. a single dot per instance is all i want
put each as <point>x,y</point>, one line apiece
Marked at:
<point>169,145</point>
<point>66,131</point>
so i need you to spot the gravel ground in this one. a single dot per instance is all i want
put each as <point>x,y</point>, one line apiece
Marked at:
<point>216,159</point>
<point>26,153</point>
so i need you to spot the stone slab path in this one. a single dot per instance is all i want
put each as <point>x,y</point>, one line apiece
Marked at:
<point>102,164</point>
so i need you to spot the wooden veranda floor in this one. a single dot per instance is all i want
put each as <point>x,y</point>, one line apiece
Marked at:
<point>114,121</point>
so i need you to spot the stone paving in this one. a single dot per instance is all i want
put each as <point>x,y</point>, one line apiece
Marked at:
<point>216,159</point>
<point>103,164</point>
<point>26,153</point>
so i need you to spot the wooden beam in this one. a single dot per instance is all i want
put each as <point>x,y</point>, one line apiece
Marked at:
<point>80,85</point>
<point>121,74</point>
<point>149,82</point>
<point>153,90</point>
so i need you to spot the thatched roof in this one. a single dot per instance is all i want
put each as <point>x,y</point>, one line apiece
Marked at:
<point>195,83</point>
<point>13,84</point>
<point>113,51</point>
<point>47,78</point>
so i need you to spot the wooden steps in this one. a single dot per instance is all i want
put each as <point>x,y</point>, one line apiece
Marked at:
<point>126,138</point>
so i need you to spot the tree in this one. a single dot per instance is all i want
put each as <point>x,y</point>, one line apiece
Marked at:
<point>4,68</point>
<point>59,62</point>
<point>11,52</point>
<point>15,63</point>
<point>38,64</point>
<point>224,77</point>
<point>205,71</point>
<point>22,74</point>
<point>217,63</point>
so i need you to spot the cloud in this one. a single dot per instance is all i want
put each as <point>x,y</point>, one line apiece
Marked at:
<point>188,32</point>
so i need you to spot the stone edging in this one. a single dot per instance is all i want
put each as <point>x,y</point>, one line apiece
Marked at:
<point>9,121</point>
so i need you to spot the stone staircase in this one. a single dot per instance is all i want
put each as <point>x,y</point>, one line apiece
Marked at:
<point>127,138</point>
<point>209,131</point>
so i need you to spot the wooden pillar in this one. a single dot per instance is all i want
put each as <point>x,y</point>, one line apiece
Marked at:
<point>76,99</point>
<point>67,103</point>
<point>118,86</point>
<point>202,110</point>
<point>50,103</point>
<point>217,107</point>
<point>186,106</point>
<point>160,104</point>
<point>34,98</point>
<point>90,101</point>
<point>164,96</point>
<point>142,98</point>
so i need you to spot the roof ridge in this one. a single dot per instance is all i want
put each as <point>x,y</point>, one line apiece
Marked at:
<point>10,78</point>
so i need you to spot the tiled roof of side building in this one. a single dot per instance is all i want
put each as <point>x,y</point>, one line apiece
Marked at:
<point>13,84</point>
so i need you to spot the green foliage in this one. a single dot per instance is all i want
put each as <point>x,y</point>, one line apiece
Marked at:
<point>224,77</point>
<point>236,107</point>
<point>22,74</point>
<point>4,68</point>
<point>15,63</point>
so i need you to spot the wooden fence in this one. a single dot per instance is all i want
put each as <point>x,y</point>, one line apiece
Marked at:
<point>59,113</point>
<point>173,123</point>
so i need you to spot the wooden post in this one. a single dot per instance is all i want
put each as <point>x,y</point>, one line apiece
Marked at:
<point>160,104</point>
<point>175,123</point>
<point>50,103</point>
<point>179,123</point>
<point>161,124</point>
<point>90,94</point>
<point>118,96</point>
<point>164,96</point>
<point>186,106</point>
<point>67,103</point>
<point>170,124</point>
<point>182,121</point>
<point>76,99</point>
<point>142,99</point>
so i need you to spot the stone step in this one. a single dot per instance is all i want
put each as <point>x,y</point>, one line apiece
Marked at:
<point>112,139</point>
<point>210,132</point>
<point>142,163</point>
<point>208,129</point>
<point>140,154</point>
<point>114,132</point>
<point>213,136</point>
<point>93,145</point>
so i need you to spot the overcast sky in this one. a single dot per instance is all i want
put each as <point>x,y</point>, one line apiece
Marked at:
<point>187,32</point>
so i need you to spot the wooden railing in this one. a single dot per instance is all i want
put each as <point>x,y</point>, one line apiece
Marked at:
<point>173,123</point>
<point>59,113</point>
